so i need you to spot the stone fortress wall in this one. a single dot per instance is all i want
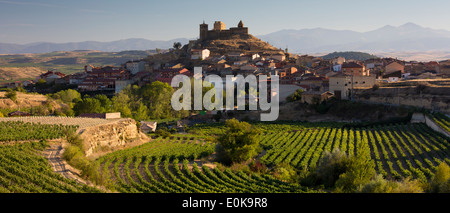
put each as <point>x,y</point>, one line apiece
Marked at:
<point>220,32</point>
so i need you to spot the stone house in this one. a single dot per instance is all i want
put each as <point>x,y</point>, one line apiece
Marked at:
<point>393,67</point>
<point>340,85</point>
<point>353,68</point>
<point>148,126</point>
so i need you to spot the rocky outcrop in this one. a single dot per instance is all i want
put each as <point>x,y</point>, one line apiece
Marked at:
<point>111,136</point>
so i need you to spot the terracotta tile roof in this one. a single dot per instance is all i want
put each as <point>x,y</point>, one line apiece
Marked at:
<point>351,65</point>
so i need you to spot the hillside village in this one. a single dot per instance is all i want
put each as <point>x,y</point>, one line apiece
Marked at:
<point>234,51</point>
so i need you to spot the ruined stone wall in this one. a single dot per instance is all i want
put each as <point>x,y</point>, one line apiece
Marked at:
<point>431,98</point>
<point>225,34</point>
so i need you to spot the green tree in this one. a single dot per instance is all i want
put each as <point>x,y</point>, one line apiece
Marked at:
<point>67,96</point>
<point>141,114</point>
<point>41,84</point>
<point>11,94</point>
<point>361,169</point>
<point>157,97</point>
<point>238,143</point>
<point>87,105</point>
<point>121,103</point>
<point>105,103</point>
<point>177,45</point>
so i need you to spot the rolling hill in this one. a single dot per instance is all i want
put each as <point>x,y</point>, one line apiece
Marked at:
<point>28,66</point>
<point>350,55</point>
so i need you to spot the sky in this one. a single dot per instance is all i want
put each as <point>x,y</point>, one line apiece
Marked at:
<point>59,21</point>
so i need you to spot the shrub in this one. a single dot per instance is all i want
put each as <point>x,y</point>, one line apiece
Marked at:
<point>11,94</point>
<point>381,185</point>
<point>408,186</point>
<point>70,152</point>
<point>440,183</point>
<point>241,166</point>
<point>162,133</point>
<point>74,139</point>
<point>296,96</point>
<point>331,166</point>
<point>377,185</point>
<point>284,171</point>
<point>257,166</point>
<point>75,156</point>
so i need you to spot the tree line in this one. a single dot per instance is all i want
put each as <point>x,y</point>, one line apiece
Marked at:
<point>151,101</point>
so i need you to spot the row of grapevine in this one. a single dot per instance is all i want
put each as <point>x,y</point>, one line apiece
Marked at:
<point>158,167</point>
<point>157,175</point>
<point>397,150</point>
<point>23,170</point>
<point>20,131</point>
<point>441,120</point>
<point>57,120</point>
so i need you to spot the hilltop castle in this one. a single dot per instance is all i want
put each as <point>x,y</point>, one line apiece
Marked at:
<point>220,32</point>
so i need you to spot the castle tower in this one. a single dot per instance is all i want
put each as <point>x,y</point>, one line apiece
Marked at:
<point>203,31</point>
<point>241,25</point>
<point>219,26</point>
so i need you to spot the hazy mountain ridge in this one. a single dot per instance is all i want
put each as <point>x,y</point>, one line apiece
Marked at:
<point>113,46</point>
<point>405,38</point>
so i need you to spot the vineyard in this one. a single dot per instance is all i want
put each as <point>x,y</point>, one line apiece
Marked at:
<point>55,120</point>
<point>24,170</point>
<point>184,163</point>
<point>167,166</point>
<point>21,131</point>
<point>411,150</point>
<point>441,120</point>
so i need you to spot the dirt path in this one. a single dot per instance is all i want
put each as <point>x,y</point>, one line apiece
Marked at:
<point>54,156</point>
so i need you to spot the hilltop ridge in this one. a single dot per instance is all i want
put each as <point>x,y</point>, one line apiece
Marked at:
<point>236,43</point>
<point>235,39</point>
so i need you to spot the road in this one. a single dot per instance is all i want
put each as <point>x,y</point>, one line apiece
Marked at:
<point>54,156</point>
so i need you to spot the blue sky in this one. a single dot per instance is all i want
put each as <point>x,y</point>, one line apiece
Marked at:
<point>26,21</point>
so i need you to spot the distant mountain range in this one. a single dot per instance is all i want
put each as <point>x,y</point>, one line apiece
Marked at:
<point>407,37</point>
<point>113,46</point>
